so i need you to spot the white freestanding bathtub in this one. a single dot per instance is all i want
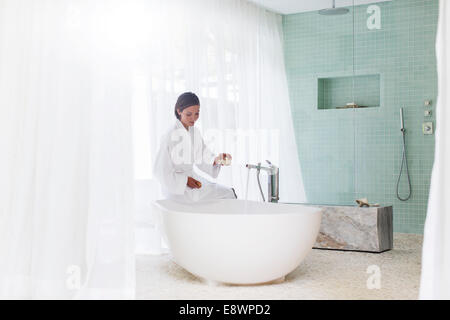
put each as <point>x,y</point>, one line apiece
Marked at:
<point>238,241</point>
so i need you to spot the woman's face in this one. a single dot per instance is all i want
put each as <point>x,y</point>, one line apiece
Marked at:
<point>189,116</point>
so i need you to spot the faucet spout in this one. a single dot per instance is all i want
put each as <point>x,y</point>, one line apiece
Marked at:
<point>272,181</point>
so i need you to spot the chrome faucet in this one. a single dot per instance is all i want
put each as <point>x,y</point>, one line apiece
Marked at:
<point>273,180</point>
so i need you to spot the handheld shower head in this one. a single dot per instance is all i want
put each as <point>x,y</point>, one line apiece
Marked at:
<point>404,163</point>
<point>402,127</point>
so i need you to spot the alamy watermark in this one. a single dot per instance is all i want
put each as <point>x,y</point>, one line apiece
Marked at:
<point>374,19</point>
<point>73,280</point>
<point>245,145</point>
<point>374,280</point>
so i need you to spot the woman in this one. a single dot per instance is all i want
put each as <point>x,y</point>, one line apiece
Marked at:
<point>181,148</point>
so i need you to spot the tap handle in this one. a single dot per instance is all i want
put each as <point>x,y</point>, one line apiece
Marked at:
<point>270,163</point>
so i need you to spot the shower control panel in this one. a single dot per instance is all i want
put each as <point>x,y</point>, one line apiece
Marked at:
<point>427,127</point>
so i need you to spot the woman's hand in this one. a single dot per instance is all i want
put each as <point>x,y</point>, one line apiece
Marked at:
<point>194,184</point>
<point>223,159</point>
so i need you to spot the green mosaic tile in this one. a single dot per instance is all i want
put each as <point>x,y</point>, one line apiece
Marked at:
<point>353,153</point>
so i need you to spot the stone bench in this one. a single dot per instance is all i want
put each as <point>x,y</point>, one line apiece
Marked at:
<point>356,229</point>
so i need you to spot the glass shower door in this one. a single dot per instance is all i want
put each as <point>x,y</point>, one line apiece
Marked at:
<point>319,59</point>
<point>395,67</point>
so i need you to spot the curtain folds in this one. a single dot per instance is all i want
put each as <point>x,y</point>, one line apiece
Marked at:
<point>87,88</point>
<point>230,53</point>
<point>435,278</point>
<point>66,192</point>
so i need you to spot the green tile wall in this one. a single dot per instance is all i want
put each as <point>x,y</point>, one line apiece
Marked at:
<point>353,153</point>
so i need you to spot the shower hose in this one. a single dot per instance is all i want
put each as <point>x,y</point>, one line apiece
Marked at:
<point>259,184</point>
<point>405,162</point>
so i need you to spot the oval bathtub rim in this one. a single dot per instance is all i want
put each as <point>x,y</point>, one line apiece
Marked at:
<point>315,211</point>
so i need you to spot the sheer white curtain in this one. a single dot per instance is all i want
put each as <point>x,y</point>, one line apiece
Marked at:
<point>230,53</point>
<point>435,279</point>
<point>66,187</point>
<point>84,84</point>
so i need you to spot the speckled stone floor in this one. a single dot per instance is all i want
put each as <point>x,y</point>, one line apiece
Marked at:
<point>324,274</point>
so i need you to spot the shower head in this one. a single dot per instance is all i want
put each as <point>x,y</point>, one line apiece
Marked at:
<point>333,11</point>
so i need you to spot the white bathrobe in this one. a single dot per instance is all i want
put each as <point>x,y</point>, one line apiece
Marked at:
<point>179,151</point>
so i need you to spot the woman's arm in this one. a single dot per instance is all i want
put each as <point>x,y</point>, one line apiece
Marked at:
<point>209,163</point>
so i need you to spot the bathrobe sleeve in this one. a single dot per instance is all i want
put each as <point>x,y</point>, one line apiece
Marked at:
<point>207,165</point>
<point>164,170</point>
